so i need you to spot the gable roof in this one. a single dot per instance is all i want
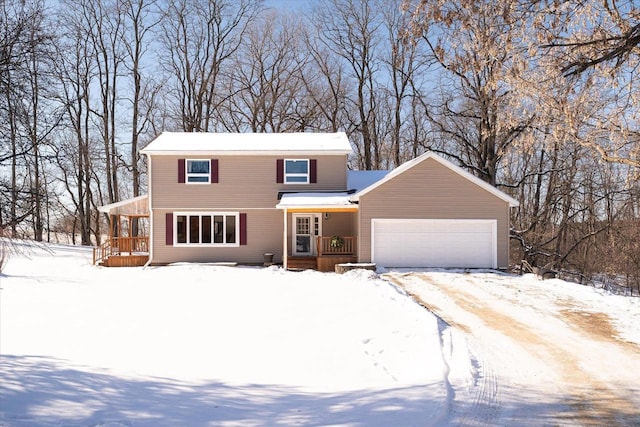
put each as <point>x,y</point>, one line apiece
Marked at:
<point>293,143</point>
<point>454,168</point>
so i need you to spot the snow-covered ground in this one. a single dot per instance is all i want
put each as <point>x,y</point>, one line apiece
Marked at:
<point>202,345</point>
<point>548,352</point>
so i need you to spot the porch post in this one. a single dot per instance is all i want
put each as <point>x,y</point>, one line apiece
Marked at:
<point>129,238</point>
<point>285,241</point>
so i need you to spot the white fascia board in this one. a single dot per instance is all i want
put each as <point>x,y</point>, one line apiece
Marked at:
<point>110,206</point>
<point>170,143</point>
<point>322,207</point>
<point>247,153</point>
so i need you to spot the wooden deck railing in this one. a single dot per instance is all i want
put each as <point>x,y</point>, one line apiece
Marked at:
<point>120,246</point>
<point>329,246</point>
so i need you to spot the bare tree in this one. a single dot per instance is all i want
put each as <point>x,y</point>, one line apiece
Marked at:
<point>267,81</point>
<point>595,46</point>
<point>480,113</point>
<point>105,23</point>
<point>40,117</point>
<point>404,62</point>
<point>200,37</point>
<point>23,44</point>
<point>75,145</point>
<point>325,81</point>
<point>349,30</point>
<point>139,23</point>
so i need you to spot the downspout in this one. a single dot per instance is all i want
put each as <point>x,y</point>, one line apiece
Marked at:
<point>149,200</point>
<point>284,243</point>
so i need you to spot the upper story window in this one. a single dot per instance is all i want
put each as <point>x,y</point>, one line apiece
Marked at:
<point>198,171</point>
<point>296,171</point>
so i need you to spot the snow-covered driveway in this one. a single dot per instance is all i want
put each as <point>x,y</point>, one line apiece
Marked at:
<point>547,352</point>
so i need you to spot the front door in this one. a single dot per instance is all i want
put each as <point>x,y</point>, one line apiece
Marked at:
<point>305,229</point>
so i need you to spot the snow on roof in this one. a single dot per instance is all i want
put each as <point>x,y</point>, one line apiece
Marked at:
<point>315,200</point>
<point>135,206</point>
<point>359,180</point>
<point>170,143</point>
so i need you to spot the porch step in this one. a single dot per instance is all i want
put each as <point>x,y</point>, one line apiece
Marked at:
<point>302,263</point>
<point>125,261</point>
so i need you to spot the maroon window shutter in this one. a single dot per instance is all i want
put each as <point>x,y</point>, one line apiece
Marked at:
<point>181,171</point>
<point>243,229</point>
<point>280,171</point>
<point>169,229</point>
<point>313,171</point>
<point>214,171</point>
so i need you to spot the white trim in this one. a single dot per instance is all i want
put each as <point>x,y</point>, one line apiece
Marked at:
<point>151,216</point>
<point>222,153</point>
<point>110,206</point>
<point>336,208</point>
<point>284,144</point>
<point>431,155</point>
<point>196,175</point>
<point>312,243</point>
<point>307,175</point>
<point>492,222</point>
<point>205,210</point>
<point>285,241</point>
<point>201,214</point>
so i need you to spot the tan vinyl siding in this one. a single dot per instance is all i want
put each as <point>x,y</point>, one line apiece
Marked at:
<point>245,182</point>
<point>264,234</point>
<point>339,224</point>
<point>431,190</point>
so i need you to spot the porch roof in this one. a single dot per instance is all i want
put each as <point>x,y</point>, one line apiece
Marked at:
<point>137,206</point>
<point>338,201</point>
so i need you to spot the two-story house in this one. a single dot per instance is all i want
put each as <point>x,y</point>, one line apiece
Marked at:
<point>225,197</point>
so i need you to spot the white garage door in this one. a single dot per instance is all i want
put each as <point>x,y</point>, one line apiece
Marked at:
<point>434,243</point>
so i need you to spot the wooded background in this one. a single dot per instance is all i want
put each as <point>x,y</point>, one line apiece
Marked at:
<point>539,98</point>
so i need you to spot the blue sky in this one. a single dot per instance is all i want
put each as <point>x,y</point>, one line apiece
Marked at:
<point>288,4</point>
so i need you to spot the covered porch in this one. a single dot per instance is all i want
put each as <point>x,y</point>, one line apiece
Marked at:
<point>320,230</point>
<point>127,244</point>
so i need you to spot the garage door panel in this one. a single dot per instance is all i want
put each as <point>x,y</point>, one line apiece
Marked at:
<point>434,243</point>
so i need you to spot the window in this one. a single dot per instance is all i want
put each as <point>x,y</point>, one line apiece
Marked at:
<point>198,171</point>
<point>210,229</point>
<point>296,171</point>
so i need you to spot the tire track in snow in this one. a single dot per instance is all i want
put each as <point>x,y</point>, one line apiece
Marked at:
<point>588,401</point>
<point>444,332</point>
<point>484,393</point>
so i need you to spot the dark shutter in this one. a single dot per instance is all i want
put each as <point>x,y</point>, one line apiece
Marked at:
<point>243,229</point>
<point>214,171</point>
<point>180,171</point>
<point>169,229</point>
<point>313,171</point>
<point>280,171</point>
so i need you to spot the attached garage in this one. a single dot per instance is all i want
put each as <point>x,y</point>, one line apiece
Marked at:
<point>429,212</point>
<point>434,243</point>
